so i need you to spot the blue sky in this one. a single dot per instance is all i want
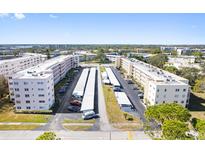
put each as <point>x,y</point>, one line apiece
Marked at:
<point>102,28</point>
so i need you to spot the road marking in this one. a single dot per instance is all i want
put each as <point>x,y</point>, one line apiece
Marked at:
<point>130,137</point>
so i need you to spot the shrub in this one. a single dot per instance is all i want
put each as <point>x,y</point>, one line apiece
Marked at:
<point>47,136</point>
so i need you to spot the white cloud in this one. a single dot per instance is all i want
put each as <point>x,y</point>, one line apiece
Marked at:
<point>2,15</point>
<point>53,16</point>
<point>19,16</point>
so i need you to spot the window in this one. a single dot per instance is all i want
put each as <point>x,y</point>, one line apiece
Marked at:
<point>39,82</point>
<point>182,102</point>
<point>177,90</point>
<point>18,102</point>
<point>40,89</point>
<point>176,96</point>
<point>41,101</point>
<point>26,89</point>
<point>26,95</point>
<point>163,101</point>
<point>16,89</point>
<point>165,90</point>
<point>28,107</point>
<point>41,95</point>
<point>18,107</point>
<point>175,101</point>
<point>16,83</point>
<point>17,95</point>
<point>184,90</point>
<point>157,90</point>
<point>27,101</point>
<point>25,83</point>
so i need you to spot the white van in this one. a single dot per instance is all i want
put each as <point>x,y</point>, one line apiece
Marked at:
<point>89,115</point>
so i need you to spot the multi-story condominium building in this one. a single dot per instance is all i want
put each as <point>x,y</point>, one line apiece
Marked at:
<point>181,62</point>
<point>159,86</point>
<point>111,57</point>
<point>33,88</point>
<point>11,66</point>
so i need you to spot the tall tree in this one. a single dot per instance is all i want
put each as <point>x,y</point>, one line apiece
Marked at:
<point>174,130</point>
<point>171,69</point>
<point>158,60</point>
<point>48,53</point>
<point>163,112</point>
<point>3,86</point>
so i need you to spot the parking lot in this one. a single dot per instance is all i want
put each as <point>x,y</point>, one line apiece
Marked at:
<point>132,93</point>
<point>64,98</point>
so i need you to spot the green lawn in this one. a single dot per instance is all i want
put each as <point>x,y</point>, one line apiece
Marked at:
<point>102,69</point>
<point>18,127</point>
<point>78,121</point>
<point>7,115</point>
<point>115,114</point>
<point>78,127</point>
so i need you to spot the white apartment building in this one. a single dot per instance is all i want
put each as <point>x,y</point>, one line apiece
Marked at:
<point>183,61</point>
<point>112,58</point>
<point>159,86</point>
<point>33,88</point>
<point>11,66</point>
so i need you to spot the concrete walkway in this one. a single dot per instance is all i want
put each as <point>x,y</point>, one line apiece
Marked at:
<point>76,135</point>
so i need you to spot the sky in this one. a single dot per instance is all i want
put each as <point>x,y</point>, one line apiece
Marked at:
<point>82,28</point>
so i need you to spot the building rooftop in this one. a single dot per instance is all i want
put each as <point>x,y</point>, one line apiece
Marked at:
<point>24,57</point>
<point>157,74</point>
<point>42,69</point>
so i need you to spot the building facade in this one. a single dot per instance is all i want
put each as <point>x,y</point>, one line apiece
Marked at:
<point>11,66</point>
<point>159,86</point>
<point>33,88</point>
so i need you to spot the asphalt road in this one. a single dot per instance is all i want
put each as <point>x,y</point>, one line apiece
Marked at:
<point>56,121</point>
<point>132,94</point>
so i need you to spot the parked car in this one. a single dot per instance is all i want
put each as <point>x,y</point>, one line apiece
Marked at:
<point>75,103</point>
<point>129,82</point>
<point>141,95</point>
<point>73,108</point>
<point>117,89</point>
<point>62,90</point>
<point>89,115</point>
<point>135,88</point>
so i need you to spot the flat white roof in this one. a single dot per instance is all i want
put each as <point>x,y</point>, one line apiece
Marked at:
<point>41,68</point>
<point>25,56</point>
<point>157,74</point>
<point>112,77</point>
<point>80,86</point>
<point>88,99</point>
<point>122,98</point>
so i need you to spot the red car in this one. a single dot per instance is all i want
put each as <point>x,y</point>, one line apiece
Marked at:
<point>75,103</point>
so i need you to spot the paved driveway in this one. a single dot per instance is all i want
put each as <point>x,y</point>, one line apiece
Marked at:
<point>132,94</point>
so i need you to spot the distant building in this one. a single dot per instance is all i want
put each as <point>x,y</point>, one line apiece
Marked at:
<point>112,57</point>
<point>159,86</point>
<point>183,61</point>
<point>181,50</point>
<point>33,88</point>
<point>11,66</point>
<point>168,48</point>
<point>85,55</point>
